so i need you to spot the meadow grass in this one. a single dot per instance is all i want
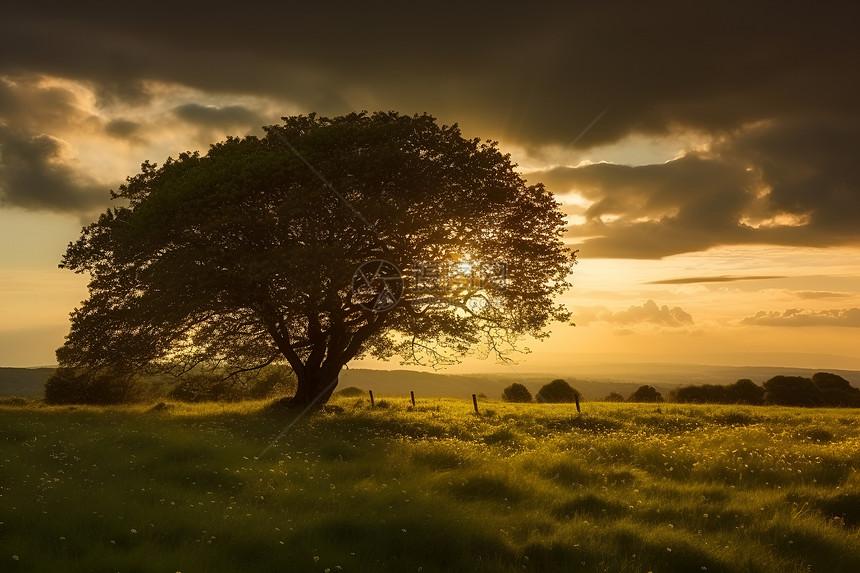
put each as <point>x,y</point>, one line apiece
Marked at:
<point>619,488</point>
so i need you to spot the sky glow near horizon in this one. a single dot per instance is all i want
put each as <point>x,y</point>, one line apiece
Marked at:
<point>726,163</point>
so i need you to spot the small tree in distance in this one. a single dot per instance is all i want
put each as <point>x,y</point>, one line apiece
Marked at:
<point>517,392</point>
<point>704,394</point>
<point>836,390</point>
<point>792,391</point>
<point>827,380</point>
<point>351,392</point>
<point>558,391</point>
<point>745,391</point>
<point>645,394</point>
<point>614,397</point>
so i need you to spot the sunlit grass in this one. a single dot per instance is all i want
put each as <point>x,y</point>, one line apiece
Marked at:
<point>622,487</point>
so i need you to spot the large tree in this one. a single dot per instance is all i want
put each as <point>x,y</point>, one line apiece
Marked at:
<point>247,255</point>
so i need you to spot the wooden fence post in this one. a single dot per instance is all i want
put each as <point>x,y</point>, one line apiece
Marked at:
<point>371,398</point>
<point>475,402</point>
<point>412,394</point>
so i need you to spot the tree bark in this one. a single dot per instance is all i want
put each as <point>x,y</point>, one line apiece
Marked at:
<point>314,390</point>
<point>317,374</point>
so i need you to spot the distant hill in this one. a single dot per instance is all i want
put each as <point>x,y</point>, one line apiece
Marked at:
<point>428,384</point>
<point>23,382</point>
<point>595,381</point>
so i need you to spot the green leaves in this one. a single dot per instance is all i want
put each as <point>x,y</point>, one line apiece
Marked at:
<point>243,250</point>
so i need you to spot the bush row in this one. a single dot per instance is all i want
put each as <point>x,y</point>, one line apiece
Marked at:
<point>68,386</point>
<point>822,389</point>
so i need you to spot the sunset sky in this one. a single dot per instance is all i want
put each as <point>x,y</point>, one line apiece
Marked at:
<point>715,200</point>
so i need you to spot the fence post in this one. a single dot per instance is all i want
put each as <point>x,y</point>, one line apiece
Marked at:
<point>576,397</point>
<point>475,402</point>
<point>412,394</point>
<point>371,398</point>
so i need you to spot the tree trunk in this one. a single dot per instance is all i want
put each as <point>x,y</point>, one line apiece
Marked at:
<point>314,390</point>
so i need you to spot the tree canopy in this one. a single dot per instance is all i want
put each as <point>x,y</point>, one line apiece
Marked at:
<point>645,394</point>
<point>791,391</point>
<point>558,391</point>
<point>517,393</point>
<point>744,391</point>
<point>247,255</point>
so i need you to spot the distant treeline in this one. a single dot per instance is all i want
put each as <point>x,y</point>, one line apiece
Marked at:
<point>65,386</point>
<point>823,389</point>
<point>557,391</point>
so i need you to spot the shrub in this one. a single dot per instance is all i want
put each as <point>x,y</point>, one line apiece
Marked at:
<point>841,398</point>
<point>645,394</point>
<point>745,391</point>
<point>828,380</point>
<point>792,391</point>
<point>704,394</point>
<point>614,397</point>
<point>836,390</point>
<point>206,388</point>
<point>69,386</point>
<point>351,392</point>
<point>558,391</point>
<point>274,380</point>
<point>216,385</point>
<point>516,392</point>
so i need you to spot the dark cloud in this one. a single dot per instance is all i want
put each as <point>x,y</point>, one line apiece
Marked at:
<point>34,171</point>
<point>538,73</point>
<point>784,182</point>
<point>719,279</point>
<point>218,117</point>
<point>32,106</point>
<point>647,313</point>
<point>849,317</point>
<point>774,88</point>
<point>810,168</point>
<point>695,187</point>
<point>33,175</point>
<point>123,129</point>
<point>652,211</point>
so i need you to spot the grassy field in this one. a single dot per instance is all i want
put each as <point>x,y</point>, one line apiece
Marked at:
<point>622,487</point>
